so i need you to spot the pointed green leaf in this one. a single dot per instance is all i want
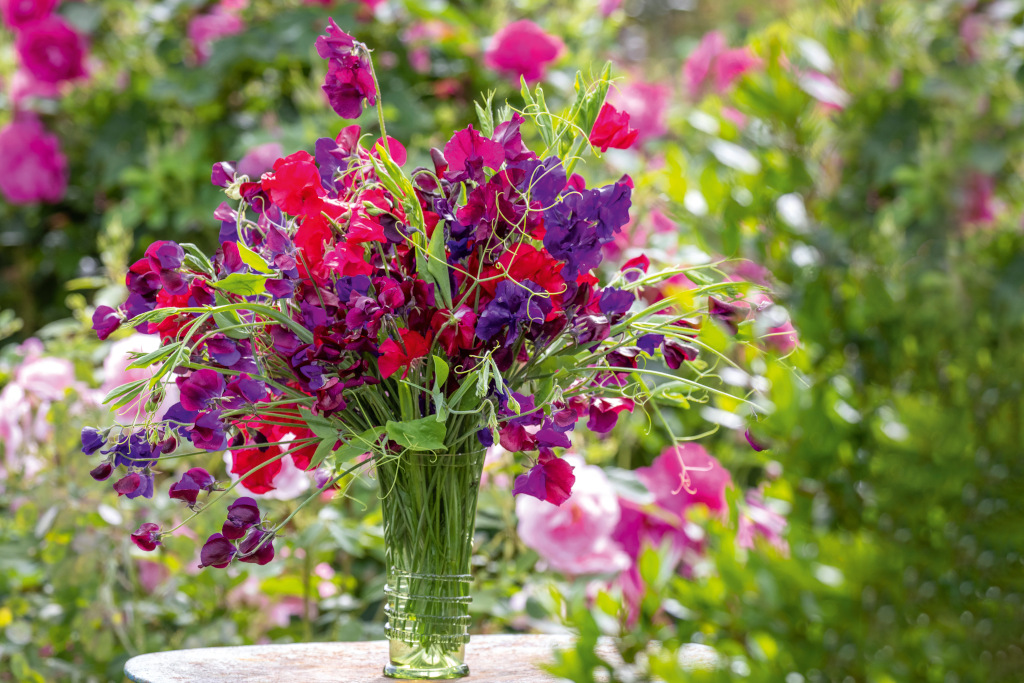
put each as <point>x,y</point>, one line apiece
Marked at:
<point>440,371</point>
<point>252,259</point>
<point>424,434</point>
<point>243,284</point>
<point>437,266</point>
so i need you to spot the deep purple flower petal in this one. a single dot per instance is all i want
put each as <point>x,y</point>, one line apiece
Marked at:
<point>216,552</point>
<point>147,536</point>
<point>104,321</point>
<point>199,389</point>
<point>92,440</point>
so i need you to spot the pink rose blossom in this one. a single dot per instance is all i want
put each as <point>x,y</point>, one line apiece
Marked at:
<point>757,519</point>
<point>25,85</point>
<point>712,62</point>
<point>204,29</point>
<point>115,373</point>
<point>575,537</point>
<point>687,475</point>
<point>259,159</point>
<point>18,13</point>
<point>51,50</point>
<point>523,49</point>
<point>35,168</point>
<point>647,104</point>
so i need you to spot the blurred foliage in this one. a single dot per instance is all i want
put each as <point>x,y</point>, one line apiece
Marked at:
<point>904,275</point>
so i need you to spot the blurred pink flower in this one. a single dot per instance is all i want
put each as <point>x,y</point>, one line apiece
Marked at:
<point>34,167</point>
<point>204,29</point>
<point>495,460</point>
<point>712,62</point>
<point>46,378</point>
<point>18,13</point>
<point>115,373</point>
<point>609,6</point>
<point>757,519</point>
<point>25,85</point>
<point>260,159</point>
<point>522,48</point>
<point>151,574</point>
<point>826,91</point>
<point>575,537</point>
<point>686,475</point>
<point>646,104</point>
<point>51,50</point>
<point>782,337</point>
<point>979,206</point>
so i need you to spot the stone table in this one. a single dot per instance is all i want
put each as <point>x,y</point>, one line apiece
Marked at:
<point>491,659</point>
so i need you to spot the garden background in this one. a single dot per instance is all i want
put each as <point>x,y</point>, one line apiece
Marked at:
<point>860,159</point>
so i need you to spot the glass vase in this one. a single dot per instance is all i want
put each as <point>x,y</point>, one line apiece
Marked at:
<point>429,506</point>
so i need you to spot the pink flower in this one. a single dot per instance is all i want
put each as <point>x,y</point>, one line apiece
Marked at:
<point>25,85</point>
<point>576,537</point>
<point>646,104</point>
<point>51,50</point>
<point>757,519</point>
<point>34,168</point>
<point>609,6</point>
<point>46,378</point>
<point>523,49</point>
<point>259,159</point>
<point>611,130</point>
<point>115,373</point>
<point>204,29</point>
<point>825,90</point>
<point>687,475</point>
<point>713,62</point>
<point>18,13</point>
<point>980,206</point>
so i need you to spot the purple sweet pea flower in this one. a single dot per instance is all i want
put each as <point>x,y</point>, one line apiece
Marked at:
<point>729,314</point>
<point>191,483</point>
<point>222,350</point>
<point>102,471</point>
<point>147,536</point>
<point>165,255</point>
<point>244,389</point>
<point>132,451</point>
<point>551,479</point>
<point>592,329</point>
<point>243,514</point>
<point>754,443</point>
<point>513,305</point>
<point>104,321</point>
<point>281,289</point>
<point>582,222</point>
<point>256,548</point>
<point>676,352</point>
<point>217,552</point>
<point>134,485</point>
<point>199,389</point>
<point>649,343</point>
<point>544,180</point>
<point>92,440</point>
<point>348,83</point>
<point>604,413</point>
<point>615,302</point>
<point>208,432</point>
<point>223,173</point>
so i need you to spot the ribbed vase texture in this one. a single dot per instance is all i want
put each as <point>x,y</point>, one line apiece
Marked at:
<point>429,509</point>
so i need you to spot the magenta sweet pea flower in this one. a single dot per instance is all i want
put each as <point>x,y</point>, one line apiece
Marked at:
<point>523,49</point>
<point>147,536</point>
<point>104,321</point>
<point>756,519</point>
<point>647,104</point>
<point>712,62</point>
<point>217,552</point>
<point>259,159</point>
<point>604,413</point>
<point>51,50</point>
<point>19,13</point>
<point>349,76</point>
<point>685,475</point>
<point>191,483</point>
<point>468,152</point>
<point>243,515</point>
<point>35,170</point>
<point>200,389</point>
<point>205,29</point>
<point>551,479</point>
<point>611,130</point>
<point>256,548</point>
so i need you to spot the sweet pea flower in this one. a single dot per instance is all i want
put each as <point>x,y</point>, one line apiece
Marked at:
<point>191,483</point>
<point>51,50</point>
<point>611,129</point>
<point>349,73</point>
<point>395,356</point>
<point>523,49</point>
<point>147,536</point>
<point>243,515</point>
<point>217,552</point>
<point>576,537</point>
<point>712,62</point>
<point>550,480</point>
<point>35,170</point>
<point>686,475</point>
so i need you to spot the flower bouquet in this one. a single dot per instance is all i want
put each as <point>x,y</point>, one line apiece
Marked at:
<point>357,316</point>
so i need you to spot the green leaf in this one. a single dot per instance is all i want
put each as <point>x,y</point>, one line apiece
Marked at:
<point>252,259</point>
<point>243,284</point>
<point>196,259</point>
<point>485,114</point>
<point>154,356</point>
<point>437,267</point>
<point>424,434</point>
<point>440,371</point>
<point>321,426</point>
<point>125,393</point>
<point>323,449</point>
<point>227,318</point>
<point>358,444</point>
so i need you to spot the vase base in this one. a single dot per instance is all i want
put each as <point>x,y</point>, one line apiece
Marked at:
<point>416,674</point>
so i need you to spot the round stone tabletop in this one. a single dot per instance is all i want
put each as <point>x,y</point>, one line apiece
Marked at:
<point>491,659</point>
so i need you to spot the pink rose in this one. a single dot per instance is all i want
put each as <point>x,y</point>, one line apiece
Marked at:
<point>687,475</point>
<point>260,159</point>
<point>116,373</point>
<point>204,29</point>
<point>35,169</point>
<point>712,62</point>
<point>523,49</point>
<point>646,104</point>
<point>18,13</point>
<point>51,50</point>
<point>575,537</point>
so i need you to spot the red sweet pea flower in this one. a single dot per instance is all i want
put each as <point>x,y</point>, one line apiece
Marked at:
<point>311,237</point>
<point>394,357</point>
<point>612,129</point>
<point>455,332</point>
<point>348,259</point>
<point>295,185</point>
<point>551,479</point>
<point>245,459</point>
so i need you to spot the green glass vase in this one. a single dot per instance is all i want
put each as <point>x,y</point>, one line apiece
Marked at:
<point>429,505</point>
